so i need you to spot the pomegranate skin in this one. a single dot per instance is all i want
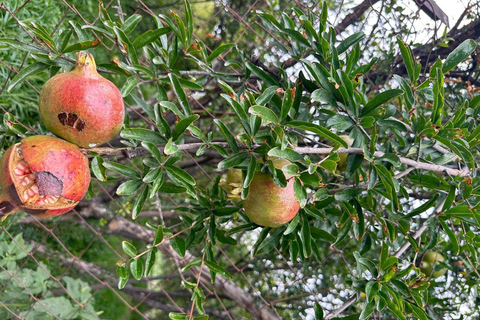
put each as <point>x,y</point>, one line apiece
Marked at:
<point>81,106</point>
<point>64,160</point>
<point>269,205</point>
<point>59,169</point>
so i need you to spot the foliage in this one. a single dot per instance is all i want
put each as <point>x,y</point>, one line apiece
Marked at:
<point>409,185</point>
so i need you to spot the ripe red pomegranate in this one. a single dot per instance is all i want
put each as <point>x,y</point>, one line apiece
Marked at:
<point>81,106</point>
<point>269,205</point>
<point>43,176</point>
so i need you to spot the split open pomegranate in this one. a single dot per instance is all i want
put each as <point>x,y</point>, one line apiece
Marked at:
<point>43,176</point>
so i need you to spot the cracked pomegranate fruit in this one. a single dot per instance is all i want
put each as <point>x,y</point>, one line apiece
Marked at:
<point>42,176</point>
<point>81,106</point>
<point>269,205</point>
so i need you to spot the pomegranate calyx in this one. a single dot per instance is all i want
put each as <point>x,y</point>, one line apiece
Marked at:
<point>86,63</point>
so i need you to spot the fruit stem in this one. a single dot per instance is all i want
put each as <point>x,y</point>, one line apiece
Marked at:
<point>86,63</point>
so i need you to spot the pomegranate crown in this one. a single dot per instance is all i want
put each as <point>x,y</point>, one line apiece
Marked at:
<point>86,62</point>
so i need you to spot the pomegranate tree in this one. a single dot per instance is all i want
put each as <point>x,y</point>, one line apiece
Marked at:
<point>43,176</point>
<point>81,106</point>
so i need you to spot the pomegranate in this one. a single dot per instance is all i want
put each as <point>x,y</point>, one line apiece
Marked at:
<point>81,106</point>
<point>269,205</point>
<point>42,176</point>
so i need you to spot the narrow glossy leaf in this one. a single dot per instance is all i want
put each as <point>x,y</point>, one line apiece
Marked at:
<point>460,53</point>
<point>182,97</point>
<point>244,227</point>
<point>234,160</point>
<point>317,309</point>
<point>306,237</point>
<point>287,153</point>
<point>292,225</point>
<point>407,58</point>
<point>219,50</point>
<point>150,261</point>
<point>139,202</point>
<point>153,149</point>
<point>141,134</point>
<point>214,267</point>
<point>125,41</point>
<point>25,73</point>
<point>451,236</point>
<point>367,310</point>
<point>129,249</point>
<point>150,36</point>
<point>315,128</point>
<point>129,85</point>
<point>122,169</point>
<point>170,147</point>
<point>380,99</point>
<point>227,135</point>
<point>265,113</point>
<point>180,174</point>
<point>98,169</point>
<point>350,42</point>
<point>158,236</point>
<point>136,268</point>
<point>131,23</point>
<point>252,164</point>
<point>178,244</point>
<point>182,125</point>
<point>129,187</point>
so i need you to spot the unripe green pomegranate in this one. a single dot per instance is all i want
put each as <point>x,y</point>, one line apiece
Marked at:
<point>342,163</point>
<point>81,106</point>
<point>43,176</point>
<point>429,262</point>
<point>269,205</point>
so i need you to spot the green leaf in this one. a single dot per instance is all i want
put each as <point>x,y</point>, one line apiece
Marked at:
<point>122,169</point>
<point>292,225</point>
<point>407,58</point>
<point>306,237</point>
<point>234,160</point>
<point>180,174</point>
<point>139,202</point>
<point>340,122</point>
<point>317,309</point>
<point>459,54</point>
<point>219,50</point>
<point>451,236</point>
<point>227,135</point>
<point>98,169</point>
<point>367,310</point>
<point>125,42</point>
<point>265,113</point>
<point>153,149</point>
<point>129,85</point>
<point>182,125</point>
<point>315,128</point>
<point>131,23</point>
<point>178,244</point>
<point>81,46</point>
<point>380,99</point>
<point>215,268</point>
<point>170,147</point>
<point>252,165</point>
<point>149,37</point>
<point>141,134</point>
<point>150,261</point>
<point>129,249</point>
<point>25,73</point>
<point>182,97</point>
<point>158,236</point>
<point>129,187</point>
<point>350,42</point>
<point>287,153</point>
<point>136,268</point>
